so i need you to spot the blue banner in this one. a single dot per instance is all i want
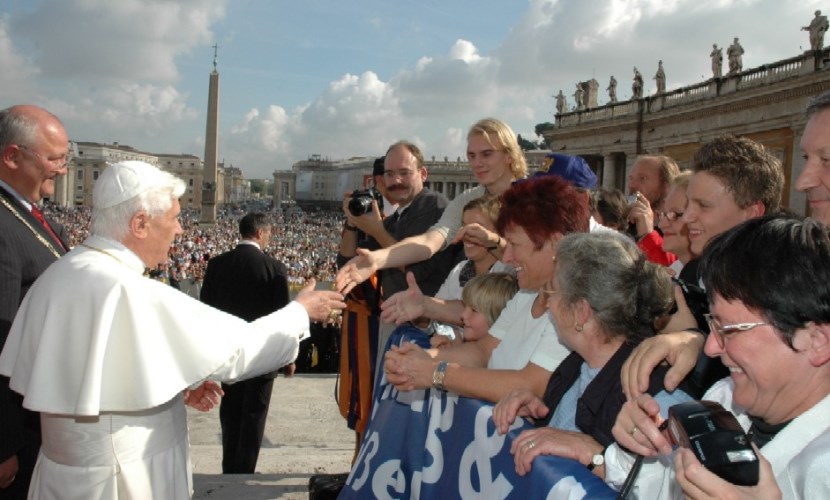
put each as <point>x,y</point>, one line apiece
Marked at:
<point>430,444</point>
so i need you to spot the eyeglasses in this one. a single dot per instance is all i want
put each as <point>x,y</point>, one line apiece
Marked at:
<point>403,174</point>
<point>670,216</point>
<point>56,163</point>
<point>721,332</point>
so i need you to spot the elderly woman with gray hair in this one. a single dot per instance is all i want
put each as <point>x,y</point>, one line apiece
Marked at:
<point>604,298</point>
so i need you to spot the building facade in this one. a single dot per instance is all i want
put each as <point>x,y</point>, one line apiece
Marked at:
<point>765,104</point>
<point>321,181</point>
<point>91,158</point>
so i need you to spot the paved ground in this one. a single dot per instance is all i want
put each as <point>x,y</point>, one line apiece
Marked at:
<point>305,435</point>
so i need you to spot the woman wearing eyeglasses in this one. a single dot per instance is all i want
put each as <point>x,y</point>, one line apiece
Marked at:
<point>670,222</point>
<point>604,298</point>
<point>768,281</point>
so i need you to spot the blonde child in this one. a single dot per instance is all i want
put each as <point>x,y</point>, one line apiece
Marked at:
<point>484,297</point>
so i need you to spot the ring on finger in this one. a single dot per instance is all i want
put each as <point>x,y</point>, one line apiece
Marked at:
<point>530,444</point>
<point>633,430</point>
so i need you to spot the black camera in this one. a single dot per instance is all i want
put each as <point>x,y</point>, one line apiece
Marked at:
<point>361,202</point>
<point>717,440</point>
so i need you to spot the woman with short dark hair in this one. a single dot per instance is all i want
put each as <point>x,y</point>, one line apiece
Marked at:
<point>768,282</point>
<point>521,350</point>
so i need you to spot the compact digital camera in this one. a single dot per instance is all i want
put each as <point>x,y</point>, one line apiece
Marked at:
<point>361,202</point>
<point>717,440</point>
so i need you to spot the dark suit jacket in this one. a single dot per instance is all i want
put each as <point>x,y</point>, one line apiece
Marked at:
<point>245,282</point>
<point>23,257</point>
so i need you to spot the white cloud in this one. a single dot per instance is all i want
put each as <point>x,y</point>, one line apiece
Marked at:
<point>18,76</point>
<point>124,83</point>
<point>108,69</point>
<point>133,39</point>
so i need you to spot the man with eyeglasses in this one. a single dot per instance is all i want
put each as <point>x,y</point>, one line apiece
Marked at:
<point>418,209</point>
<point>35,150</point>
<point>733,180</point>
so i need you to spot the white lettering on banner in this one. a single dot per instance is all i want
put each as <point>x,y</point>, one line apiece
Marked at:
<point>415,399</point>
<point>388,392</point>
<point>439,419</point>
<point>367,452</point>
<point>478,454</point>
<point>415,492</point>
<point>388,474</point>
<point>567,488</point>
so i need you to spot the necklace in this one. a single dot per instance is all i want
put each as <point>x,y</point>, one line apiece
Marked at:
<point>100,250</point>
<point>16,212</point>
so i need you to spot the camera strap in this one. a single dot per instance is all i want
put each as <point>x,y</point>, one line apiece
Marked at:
<point>635,470</point>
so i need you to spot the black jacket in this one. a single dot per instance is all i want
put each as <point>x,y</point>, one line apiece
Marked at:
<point>245,282</point>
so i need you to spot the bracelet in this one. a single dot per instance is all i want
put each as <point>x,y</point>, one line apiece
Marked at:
<point>438,376</point>
<point>497,245</point>
<point>349,227</point>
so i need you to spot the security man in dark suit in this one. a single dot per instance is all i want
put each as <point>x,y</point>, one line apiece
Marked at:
<point>247,283</point>
<point>35,151</point>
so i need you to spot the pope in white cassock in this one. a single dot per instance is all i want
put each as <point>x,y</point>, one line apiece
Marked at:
<point>105,354</point>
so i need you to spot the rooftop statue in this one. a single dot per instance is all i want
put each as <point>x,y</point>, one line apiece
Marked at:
<point>717,61</point>
<point>660,78</point>
<point>637,85</point>
<point>818,26</point>
<point>735,53</point>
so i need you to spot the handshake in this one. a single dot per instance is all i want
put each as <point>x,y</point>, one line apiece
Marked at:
<point>324,306</point>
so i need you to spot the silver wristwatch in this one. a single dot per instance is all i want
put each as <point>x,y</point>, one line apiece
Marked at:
<point>438,376</point>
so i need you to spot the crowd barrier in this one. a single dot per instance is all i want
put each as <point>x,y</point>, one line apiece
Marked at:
<point>433,444</point>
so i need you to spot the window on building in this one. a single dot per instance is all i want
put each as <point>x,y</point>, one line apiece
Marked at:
<point>80,175</point>
<point>94,175</point>
<point>191,182</point>
<point>79,188</point>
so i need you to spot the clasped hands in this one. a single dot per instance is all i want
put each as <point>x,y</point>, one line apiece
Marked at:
<point>408,367</point>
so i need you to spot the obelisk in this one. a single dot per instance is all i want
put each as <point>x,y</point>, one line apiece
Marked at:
<point>210,174</point>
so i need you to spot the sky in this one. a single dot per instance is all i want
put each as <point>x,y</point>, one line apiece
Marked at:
<point>347,78</point>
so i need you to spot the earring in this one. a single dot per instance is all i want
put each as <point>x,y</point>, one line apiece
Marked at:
<point>578,328</point>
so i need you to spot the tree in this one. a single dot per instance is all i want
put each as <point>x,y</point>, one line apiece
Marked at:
<point>259,186</point>
<point>541,127</point>
<point>525,144</point>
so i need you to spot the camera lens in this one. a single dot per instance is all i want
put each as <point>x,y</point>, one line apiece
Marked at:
<point>360,205</point>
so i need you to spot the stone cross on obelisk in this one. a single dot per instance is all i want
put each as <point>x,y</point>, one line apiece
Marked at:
<point>210,174</point>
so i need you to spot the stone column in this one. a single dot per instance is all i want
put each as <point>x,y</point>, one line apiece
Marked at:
<point>609,170</point>
<point>798,200</point>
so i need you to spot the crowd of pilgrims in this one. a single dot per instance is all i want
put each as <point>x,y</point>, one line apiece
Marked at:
<point>305,241</point>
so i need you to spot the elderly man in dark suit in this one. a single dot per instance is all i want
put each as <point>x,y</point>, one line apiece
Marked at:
<point>247,283</point>
<point>35,151</point>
